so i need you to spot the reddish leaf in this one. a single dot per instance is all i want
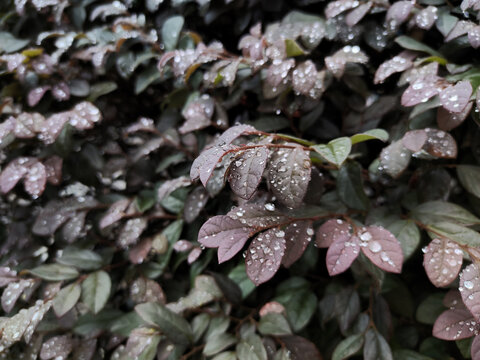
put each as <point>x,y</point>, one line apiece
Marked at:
<point>139,252</point>
<point>234,132</point>
<point>394,159</point>
<point>27,125</point>
<point>264,255</point>
<point>300,348</point>
<point>399,63</point>
<point>114,213</point>
<point>453,300</point>
<point>382,248</point>
<point>341,254</point>
<point>56,347</point>
<point>258,215</point>
<point>455,324</point>
<point>36,94</point>
<point>297,235</point>
<point>304,77</point>
<point>442,261</point>
<point>246,171</point>
<point>427,17</point>
<point>205,163</point>
<point>195,202</point>
<point>73,228</point>
<point>289,174</point>
<point>440,144</point>
<point>194,255</point>
<point>474,38</point>
<point>13,173</point>
<point>470,289</point>
<point>447,120</point>
<point>61,92</point>
<point>331,231</point>
<point>228,234</point>
<point>35,179</point>
<point>399,12</point>
<point>335,8</point>
<point>145,290</point>
<point>53,167</point>
<point>272,307</point>
<point>414,140</point>
<point>131,231</point>
<point>336,63</point>
<point>170,186</point>
<point>13,291</point>
<point>462,27</point>
<point>456,97</point>
<point>420,91</point>
<point>84,115</point>
<point>278,72</point>
<point>7,276</point>
<point>354,16</point>
<point>198,114</point>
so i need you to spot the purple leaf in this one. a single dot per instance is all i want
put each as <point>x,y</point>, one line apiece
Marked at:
<point>28,124</point>
<point>399,11</point>
<point>354,16</point>
<point>455,98</point>
<point>300,348</point>
<point>198,114</point>
<point>145,290</point>
<point>131,231</point>
<point>474,37</point>
<point>61,92</point>
<point>336,63</point>
<point>114,213</point>
<point>304,77</point>
<point>258,215</point>
<point>246,171</point>
<point>12,293</point>
<point>470,289</point>
<point>73,228</point>
<point>278,72</point>
<point>13,173</point>
<point>226,234</point>
<point>427,17</point>
<point>440,144</point>
<point>194,255</point>
<point>462,27</point>
<point>194,204</point>
<point>289,174</point>
<point>341,254</point>
<point>7,276</point>
<point>335,8</point>
<point>35,95</point>
<point>399,63</point>
<point>420,91</point>
<point>170,186</point>
<point>414,140</point>
<point>394,159</point>
<point>455,324</point>
<point>139,252</point>
<point>53,167</point>
<point>382,248</point>
<point>264,255</point>
<point>331,231</point>
<point>56,347</point>
<point>448,120</point>
<point>35,179</point>
<point>205,163</point>
<point>53,127</point>
<point>297,236</point>
<point>84,115</point>
<point>442,261</point>
<point>234,132</point>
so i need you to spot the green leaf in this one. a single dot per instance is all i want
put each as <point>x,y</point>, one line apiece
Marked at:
<point>199,325</point>
<point>145,200</point>
<point>408,234</point>
<point>96,290</point>
<point>300,304</point>
<point>336,151</point>
<point>55,272</point>
<point>227,355</point>
<point>376,347</point>
<point>293,49</point>
<point>125,324</point>
<point>350,186</point>
<point>274,324</point>
<point>348,347</point>
<point>80,258</point>
<point>378,134</point>
<point>218,343</point>
<point>405,354</point>
<point>9,43</point>
<point>100,89</point>
<point>175,327</point>
<point>457,233</point>
<point>90,323</point>
<point>171,31</point>
<point>412,44</point>
<point>430,308</point>
<point>438,211</point>
<point>145,78</point>
<point>469,176</point>
<point>251,348</point>
<point>239,276</point>
<point>66,299</point>
<point>464,346</point>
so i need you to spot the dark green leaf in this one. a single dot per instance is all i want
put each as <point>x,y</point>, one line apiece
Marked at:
<point>350,186</point>
<point>274,324</point>
<point>336,151</point>
<point>55,272</point>
<point>96,290</point>
<point>348,347</point>
<point>378,134</point>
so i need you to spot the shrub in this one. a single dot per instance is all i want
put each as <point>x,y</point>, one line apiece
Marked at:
<point>347,132</point>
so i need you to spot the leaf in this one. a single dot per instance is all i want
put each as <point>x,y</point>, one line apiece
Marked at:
<point>246,171</point>
<point>54,272</point>
<point>440,144</point>
<point>350,186</point>
<point>420,91</point>
<point>274,324</point>
<point>341,254</point>
<point>198,114</point>
<point>414,140</point>
<point>399,63</point>
<point>335,8</point>
<point>251,348</point>
<point>66,299</point>
<point>456,97</point>
<point>412,44</point>
<point>398,12</point>
<point>447,120</point>
<point>205,163</point>
<point>170,186</point>
<point>218,343</point>
<point>457,233</point>
<point>354,16</point>
<point>407,234</point>
<point>142,344</point>
<point>80,258</point>
<point>469,289</point>
<point>304,77</point>
<point>475,348</point>
<point>227,234</point>
<point>239,276</point>
<point>146,290</point>
<point>300,348</point>
<point>376,347</point>
<point>378,134</point>
<point>292,48</point>
<point>442,211</point>
<point>382,248</point>
<point>289,173</point>
<point>258,215</point>
<point>348,54</point>
<point>171,31</point>
<point>331,231</point>
<point>264,255</point>
<point>297,236</point>
<point>10,44</point>
<point>194,204</point>
<point>7,276</point>
<point>468,176</point>
<point>96,290</point>
<point>114,213</point>
<point>175,327</point>
<point>442,261</point>
<point>300,304</point>
<point>348,347</point>
<point>394,159</point>
<point>336,151</point>
<point>455,324</point>
<point>131,231</point>
<point>57,347</point>
<point>13,292</point>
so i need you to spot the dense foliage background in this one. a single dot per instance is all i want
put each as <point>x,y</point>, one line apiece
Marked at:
<point>337,147</point>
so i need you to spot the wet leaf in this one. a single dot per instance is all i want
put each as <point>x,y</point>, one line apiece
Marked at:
<point>333,230</point>
<point>198,114</point>
<point>455,324</point>
<point>54,272</point>
<point>399,11</point>
<point>336,151</point>
<point>194,204</point>
<point>131,231</point>
<point>469,289</point>
<point>56,347</point>
<point>258,215</point>
<point>341,254</point>
<point>394,159</point>
<point>264,255</point>
<point>96,290</point>
<point>382,248</point>
<point>426,18</point>
<point>456,97</point>
<point>274,324</point>
<point>80,258</point>
<point>414,140</point>
<point>348,54</point>
<point>171,31</point>
<point>297,236</point>
<point>114,213</point>
<point>447,120</point>
<point>442,261</point>
<point>13,292</point>
<point>66,299</point>
<point>457,233</point>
